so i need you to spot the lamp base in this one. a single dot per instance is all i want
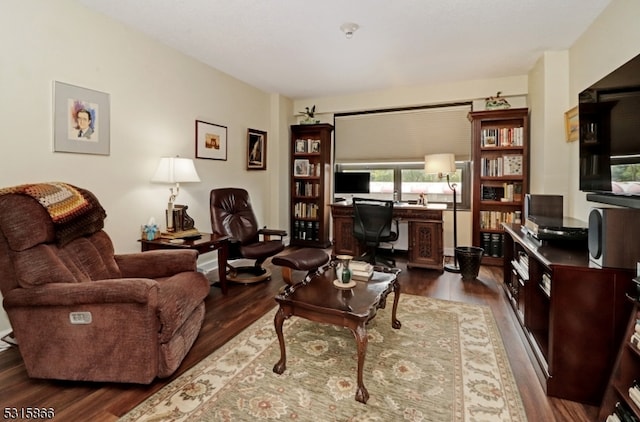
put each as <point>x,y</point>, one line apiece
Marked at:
<point>452,268</point>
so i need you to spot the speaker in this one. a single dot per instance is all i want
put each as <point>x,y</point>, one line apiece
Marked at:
<point>614,237</point>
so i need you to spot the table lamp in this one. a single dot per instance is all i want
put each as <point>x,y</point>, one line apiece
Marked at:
<point>175,170</point>
<point>442,164</point>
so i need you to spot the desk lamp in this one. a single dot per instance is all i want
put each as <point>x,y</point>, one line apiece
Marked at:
<point>442,164</point>
<point>174,170</point>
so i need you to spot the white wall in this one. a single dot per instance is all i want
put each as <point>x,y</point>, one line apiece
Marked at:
<point>156,94</point>
<point>609,42</point>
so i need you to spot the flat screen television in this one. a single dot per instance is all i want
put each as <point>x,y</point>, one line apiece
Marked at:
<point>351,182</point>
<point>609,133</point>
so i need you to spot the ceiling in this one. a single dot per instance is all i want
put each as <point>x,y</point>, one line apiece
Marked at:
<point>296,47</point>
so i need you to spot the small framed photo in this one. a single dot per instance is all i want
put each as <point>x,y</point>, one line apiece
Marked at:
<point>571,124</point>
<point>301,146</point>
<point>301,167</point>
<point>315,147</point>
<point>81,120</point>
<point>256,150</point>
<point>211,141</point>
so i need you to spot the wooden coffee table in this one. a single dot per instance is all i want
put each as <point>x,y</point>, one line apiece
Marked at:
<point>318,300</point>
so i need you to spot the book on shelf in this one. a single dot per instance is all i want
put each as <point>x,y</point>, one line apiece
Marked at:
<point>634,394</point>
<point>512,165</point>
<point>501,137</point>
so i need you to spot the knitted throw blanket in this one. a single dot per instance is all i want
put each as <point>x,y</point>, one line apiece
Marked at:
<point>74,212</point>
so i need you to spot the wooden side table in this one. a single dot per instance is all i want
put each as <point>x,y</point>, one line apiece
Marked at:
<point>206,243</point>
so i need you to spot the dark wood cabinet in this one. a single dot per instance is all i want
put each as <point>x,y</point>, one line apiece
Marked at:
<point>626,371</point>
<point>311,152</point>
<point>424,225</point>
<point>573,315</point>
<point>500,145</point>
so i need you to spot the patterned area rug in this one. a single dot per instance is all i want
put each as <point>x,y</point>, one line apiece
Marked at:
<point>446,363</point>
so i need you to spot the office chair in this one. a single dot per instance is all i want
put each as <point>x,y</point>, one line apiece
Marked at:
<point>371,226</point>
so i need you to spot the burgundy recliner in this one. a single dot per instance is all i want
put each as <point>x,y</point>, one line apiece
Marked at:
<point>233,216</point>
<point>80,312</point>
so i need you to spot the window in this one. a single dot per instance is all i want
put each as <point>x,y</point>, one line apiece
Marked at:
<point>409,180</point>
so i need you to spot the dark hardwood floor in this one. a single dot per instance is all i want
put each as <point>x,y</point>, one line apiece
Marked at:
<point>228,315</point>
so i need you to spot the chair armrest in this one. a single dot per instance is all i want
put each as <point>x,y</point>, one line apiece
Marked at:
<point>123,290</point>
<point>158,263</point>
<point>272,232</point>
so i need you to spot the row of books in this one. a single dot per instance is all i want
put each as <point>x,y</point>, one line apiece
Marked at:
<point>305,210</point>
<point>492,244</point>
<point>306,230</point>
<point>508,192</point>
<point>307,189</point>
<point>502,137</point>
<point>507,165</point>
<point>622,413</point>
<point>493,219</point>
<point>307,145</point>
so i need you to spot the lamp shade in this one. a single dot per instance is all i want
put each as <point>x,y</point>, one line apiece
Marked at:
<point>175,170</point>
<point>439,163</point>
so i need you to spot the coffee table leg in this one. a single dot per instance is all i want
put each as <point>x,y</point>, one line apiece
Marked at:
<point>396,297</point>
<point>278,320</point>
<point>362,395</point>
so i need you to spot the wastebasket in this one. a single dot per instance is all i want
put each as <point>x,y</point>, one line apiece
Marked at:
<point>469,258</point>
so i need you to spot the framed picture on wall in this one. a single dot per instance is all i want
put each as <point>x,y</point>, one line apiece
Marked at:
<point>80,120</point>
<point>211,141</point>
<point>571,124</point>
<point>256,150</point>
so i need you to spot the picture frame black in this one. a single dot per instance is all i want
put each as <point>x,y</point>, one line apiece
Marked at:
<point>211,141</point>
<point>256,149</point>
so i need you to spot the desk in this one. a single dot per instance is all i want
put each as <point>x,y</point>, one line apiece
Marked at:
<point>424,227</point>
<point>206,243</point>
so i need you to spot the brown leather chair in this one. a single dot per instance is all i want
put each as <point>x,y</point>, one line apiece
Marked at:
<point>79,311</point>
<point>233,216</point>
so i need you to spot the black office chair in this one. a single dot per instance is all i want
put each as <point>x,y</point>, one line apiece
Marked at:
<point>372,226</point>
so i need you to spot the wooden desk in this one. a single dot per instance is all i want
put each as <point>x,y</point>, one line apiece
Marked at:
<point>425,234</point>
<point>206,243</point>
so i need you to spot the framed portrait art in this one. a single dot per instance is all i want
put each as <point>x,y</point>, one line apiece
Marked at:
<point>256,150</point>
<point>211,141</point>
<point>80,120</point>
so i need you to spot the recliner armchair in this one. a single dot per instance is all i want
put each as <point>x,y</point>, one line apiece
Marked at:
<point>232,215</point>
<point>372,226</point>
<point>79,311</point>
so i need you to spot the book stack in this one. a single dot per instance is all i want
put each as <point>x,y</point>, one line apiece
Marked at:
<point>634,393</point>
<point>361,270</point>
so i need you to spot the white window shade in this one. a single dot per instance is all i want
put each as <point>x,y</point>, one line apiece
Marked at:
<point>405,135</point>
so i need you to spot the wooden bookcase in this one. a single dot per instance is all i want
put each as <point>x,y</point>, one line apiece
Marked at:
<point>626,371</point>
<point>310,193</point>
<point>500,140</point>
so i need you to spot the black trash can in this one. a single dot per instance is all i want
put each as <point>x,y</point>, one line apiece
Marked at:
<point>469,259</point>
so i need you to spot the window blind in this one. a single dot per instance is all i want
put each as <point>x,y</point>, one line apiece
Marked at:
<point>403,135</point>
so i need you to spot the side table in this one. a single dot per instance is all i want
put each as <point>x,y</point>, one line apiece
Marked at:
<point>207,242</point>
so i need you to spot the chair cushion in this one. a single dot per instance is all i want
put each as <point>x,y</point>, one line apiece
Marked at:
<point>262,249</point>
<point>303,259</point>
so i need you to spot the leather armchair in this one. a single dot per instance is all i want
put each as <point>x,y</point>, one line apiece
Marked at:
<point>232,215</point>
<point>81,312</point>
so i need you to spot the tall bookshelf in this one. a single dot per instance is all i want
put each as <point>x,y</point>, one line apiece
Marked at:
<point>500,140</point>
<point>310,184</point>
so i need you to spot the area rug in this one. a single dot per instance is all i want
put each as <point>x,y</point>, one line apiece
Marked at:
<point>446,363</point>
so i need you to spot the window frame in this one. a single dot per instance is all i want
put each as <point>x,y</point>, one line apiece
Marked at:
<point>397,167</point>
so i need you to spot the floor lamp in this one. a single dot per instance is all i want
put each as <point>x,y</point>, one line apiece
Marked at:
<point>442,164</point>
